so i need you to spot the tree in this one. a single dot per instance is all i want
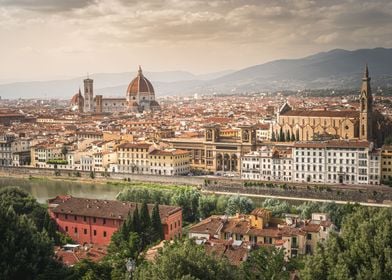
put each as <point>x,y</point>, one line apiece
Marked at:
<point>239,204</point>
<point>156,224</point>
<point>288,136</point>
<point>266,263</point>
<point>297,135</point>
<point>292,137</point>
<point>207,205</point>
<point>362,251</point>
<point>273,137</point>
<point>92,175</point>
<point>136,225</point>
<point>281,135</point>
<point>145,225</point>
<point>24,252</point>
<point>278,207</point>
<point>64,151</point>
<point>183,259</point>
<point>188,199</point>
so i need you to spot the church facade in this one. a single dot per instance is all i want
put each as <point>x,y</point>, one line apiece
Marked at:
<point>307,125</point>
<point>140,96</point>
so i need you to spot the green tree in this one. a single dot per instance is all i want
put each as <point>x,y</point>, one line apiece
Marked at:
<point>266,263</point>
<point>276,206</point>
<point>281,135</point>
<point>24,251</point>
<point>297,135</point>
<point>188,199</point>
<point>363,250</point>
<point>136,224</point>
<point>273,136</point>
<point>288,136</point>
<point>207,205</point>
<point>239,204</point>
<point>185,260</point>
<point>156,224</point>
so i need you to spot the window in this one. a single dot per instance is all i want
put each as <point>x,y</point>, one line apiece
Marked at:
<point>66,228</point>
<point>75,218</point>
<point>85,231</point>
<point>309,236</point>
<point>84,218</point>
<point>76,230</point>
<point>104,221</point>
<point>95,232</point>
<point>94,220</point>
<point>104,234</point>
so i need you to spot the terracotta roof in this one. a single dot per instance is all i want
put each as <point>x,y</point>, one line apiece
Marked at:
<point>169,152</point>
<point>134,145</point>
<point>110,209</point>
<point>140,84</point>
<point>333,144</point>
<point>322,113</point>
<point>209,226</point>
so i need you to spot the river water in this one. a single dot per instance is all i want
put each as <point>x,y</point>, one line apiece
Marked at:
<point>43,189</point>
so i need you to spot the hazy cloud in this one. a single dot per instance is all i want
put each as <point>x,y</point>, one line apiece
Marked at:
<point>198,35</point>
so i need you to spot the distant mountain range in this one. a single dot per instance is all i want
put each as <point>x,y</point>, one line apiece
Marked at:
<point>338,69</point>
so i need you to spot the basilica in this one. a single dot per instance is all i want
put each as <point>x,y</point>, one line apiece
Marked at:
<point>140,97</point>
<point>306,125</point>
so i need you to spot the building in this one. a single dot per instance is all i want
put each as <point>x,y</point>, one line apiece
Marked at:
<point>93,221</point>
<point>140,96</point>
<point>386,163</point>
<point>337,162</point>
<point>133,158</point>
<point>296,236</point>
<point>218,152</point>
<point>5,149</point>
<point>306,125</point>
<point>169,162</point>
<point>269,163</point>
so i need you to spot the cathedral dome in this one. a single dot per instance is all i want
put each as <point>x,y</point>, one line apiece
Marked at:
<point>77,98</point>
<point>140,85</point>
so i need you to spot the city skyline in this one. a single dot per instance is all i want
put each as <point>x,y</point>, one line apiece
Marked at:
<point>56,39</point>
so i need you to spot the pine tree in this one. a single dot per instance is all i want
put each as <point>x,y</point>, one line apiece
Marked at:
<point>292,137</point>
<point>156,223</point>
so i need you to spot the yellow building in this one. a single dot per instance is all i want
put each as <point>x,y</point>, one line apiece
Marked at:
<point>169,162</point>
<point>386,163</point>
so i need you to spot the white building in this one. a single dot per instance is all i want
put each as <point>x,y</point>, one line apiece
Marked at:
<point>336,162</point>
<point>270,163</point>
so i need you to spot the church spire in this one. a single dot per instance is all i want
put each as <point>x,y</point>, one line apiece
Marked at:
<point>366,73</point>
<point>366,108</point>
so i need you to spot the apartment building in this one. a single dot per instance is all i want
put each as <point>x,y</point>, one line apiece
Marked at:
<point>169,162</point>
<point>331,162</point>
<point>133,158</point>
<point>337,162</point>
<point>386,163</point>
<point>5,149</point>
<point>270,163</point>
<point>20,149</point>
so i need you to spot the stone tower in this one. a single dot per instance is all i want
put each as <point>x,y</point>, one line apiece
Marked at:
<point>88,95</point>
<point>366,108</point>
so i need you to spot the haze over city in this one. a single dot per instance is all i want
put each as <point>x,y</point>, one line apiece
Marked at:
<point>46,39</point>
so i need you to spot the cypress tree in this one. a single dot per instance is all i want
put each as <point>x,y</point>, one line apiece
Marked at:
<point>273,137</point>
<point>145,220</point>
<point>136,221</point>
<point>157,223</point>
<point>288,136</point>
<point>297,135</point>
<point>292,137</point>
<point>281,135</point>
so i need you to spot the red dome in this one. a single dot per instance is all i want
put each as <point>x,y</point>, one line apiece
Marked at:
<point>140,85</point>
<point>76,98</point>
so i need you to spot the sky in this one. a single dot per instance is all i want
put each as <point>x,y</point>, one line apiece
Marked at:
<point>48,39</point>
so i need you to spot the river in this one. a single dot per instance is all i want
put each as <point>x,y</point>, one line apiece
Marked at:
<point>42,189</point>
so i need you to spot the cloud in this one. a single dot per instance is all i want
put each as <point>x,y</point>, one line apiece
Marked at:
<point>230,33</point>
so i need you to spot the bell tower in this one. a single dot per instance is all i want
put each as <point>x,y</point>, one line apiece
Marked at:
<point>88,95</point>
<point>366,108</point>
